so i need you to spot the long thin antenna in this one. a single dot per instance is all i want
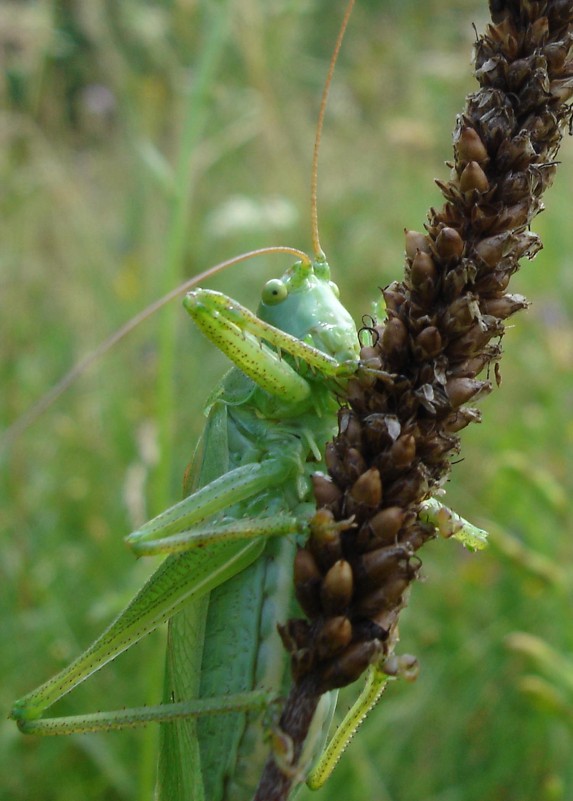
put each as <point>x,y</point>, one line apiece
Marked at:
<point>316,248</point>
<point>14,430</point>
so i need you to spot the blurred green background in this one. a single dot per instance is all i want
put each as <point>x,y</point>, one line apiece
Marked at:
<point>141,142</point>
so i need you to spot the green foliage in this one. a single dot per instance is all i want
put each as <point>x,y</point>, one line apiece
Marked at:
<point>95,97</point>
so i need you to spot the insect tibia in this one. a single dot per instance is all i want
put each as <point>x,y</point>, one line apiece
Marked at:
<point>375,685</point>
<point>138,717</point>
<point>240,334</point>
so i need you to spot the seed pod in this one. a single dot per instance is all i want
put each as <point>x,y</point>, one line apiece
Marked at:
<point>374,567</point>
<point>460,419</point>
<point>325,538</point>
<point>381,430</point>
<point>473,366</point>
<point>556,55</point>
<point>449,244</point>
<point>473,178</point>
<point>496,282</point>
<point>460,314</point>
<point>461,390</point>
<point>458,279</point>
<point>409,487</point>
<point>518,214</point>
<point>414,242</point>
<point>334,635</point>
<point>504,306</point>
<point>385,621</point>
<point>393,298</point>
<point>354,465</point>
<point>335,464</point>
<point>562,90</point>
<point>403,451</point>
<point>515,153</point>
<point>515,185</point>
<point>423,278</point>
<point>367,490</point>
<point>423,270</point>
<point>395,339</point>
<point>326,492</point>
<point>307,582</point>
<point>434,447</point>
<point>386,597</point>
<point>350,428</point>
<point>468,146</point>
<point>336,588</point>
<point>474,340</point>
<point>348,666</point>
<point>526,243</point>
<point>380,529</point>
<point>518,72</point>
<point>428,343</point>
<point>417,534</point>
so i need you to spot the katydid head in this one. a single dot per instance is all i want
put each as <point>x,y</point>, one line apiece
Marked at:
<point>305,304</point>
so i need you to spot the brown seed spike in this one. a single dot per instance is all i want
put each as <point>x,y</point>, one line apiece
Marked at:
<point>473,178</point>
<point>337,587</point>
<point>449,244</point>
<point>367,489</point>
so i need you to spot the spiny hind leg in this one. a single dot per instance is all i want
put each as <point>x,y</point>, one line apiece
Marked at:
<point>114,720</point>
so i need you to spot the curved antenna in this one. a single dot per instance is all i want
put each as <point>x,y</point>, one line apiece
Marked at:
<point>13,431</point>
<point>316,248</point>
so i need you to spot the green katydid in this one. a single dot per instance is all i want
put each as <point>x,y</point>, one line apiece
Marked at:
<point>267,426</point>
<point>257,487</point>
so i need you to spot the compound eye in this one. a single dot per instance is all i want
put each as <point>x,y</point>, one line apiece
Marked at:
<point>274,291</point>
<point>335,289</point>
